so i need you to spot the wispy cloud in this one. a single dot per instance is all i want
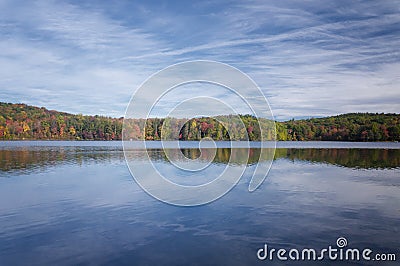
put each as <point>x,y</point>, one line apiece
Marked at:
<point>309,58</point>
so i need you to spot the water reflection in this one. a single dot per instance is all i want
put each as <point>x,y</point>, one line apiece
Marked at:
<point>85,209</point>
<point>351,158</point>
<point>25,159</point>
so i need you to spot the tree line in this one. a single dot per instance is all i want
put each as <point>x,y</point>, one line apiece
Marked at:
<point>21,121</point>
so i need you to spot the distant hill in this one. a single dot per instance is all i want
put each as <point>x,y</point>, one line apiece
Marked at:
<point>345,127</point>
<point>21,121</point>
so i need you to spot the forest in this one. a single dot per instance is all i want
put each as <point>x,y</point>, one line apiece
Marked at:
<point>24,122</point>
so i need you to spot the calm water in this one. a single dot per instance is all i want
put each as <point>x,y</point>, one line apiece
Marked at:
<point>69,203</point>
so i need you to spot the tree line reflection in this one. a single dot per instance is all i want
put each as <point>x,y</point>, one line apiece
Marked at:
<point>40,158</point>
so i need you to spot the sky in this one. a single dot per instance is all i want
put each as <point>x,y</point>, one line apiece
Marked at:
<point>310,58</point>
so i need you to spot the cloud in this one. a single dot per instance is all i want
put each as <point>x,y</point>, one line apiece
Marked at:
<point>309,58</point>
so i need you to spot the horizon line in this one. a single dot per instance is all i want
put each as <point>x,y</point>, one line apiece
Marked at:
<point>156,117</point>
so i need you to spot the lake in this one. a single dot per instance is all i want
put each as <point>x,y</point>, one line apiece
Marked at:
<point>76,203</point>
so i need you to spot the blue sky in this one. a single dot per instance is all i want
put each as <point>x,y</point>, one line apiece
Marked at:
<point>311,58</point>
